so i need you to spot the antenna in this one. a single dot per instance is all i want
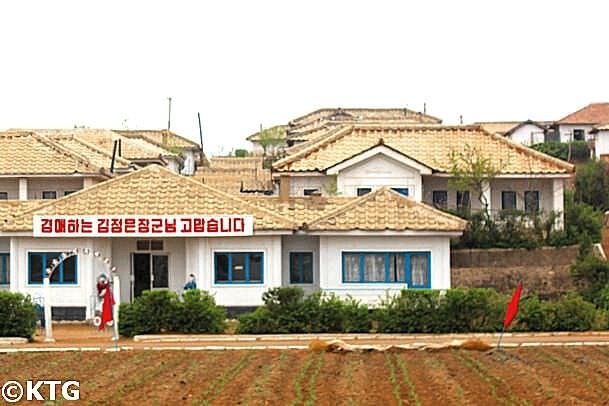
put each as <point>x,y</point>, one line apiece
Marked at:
<point>425,108</point>
<point>461,119</point>
<point>200,131</point>
<point>113,156</point>
<point>169,116</point>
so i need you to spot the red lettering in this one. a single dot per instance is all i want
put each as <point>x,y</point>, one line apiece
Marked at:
<point>239,225</point>
<point>60,225</point>
<point>225,225</point>
<point>212,226</point>
<point>129,225</point>
<point>199,225</point>
<point>73,225</point>
<point>186,225</point>
<point>143,225</point>
<point>117,225</point>
<point>103,226</point>
<point>86,226</point>
<point>47,226</point>
<point>157,225</point>
<point>170,225</point>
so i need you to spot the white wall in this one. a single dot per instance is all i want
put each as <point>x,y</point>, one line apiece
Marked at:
<point>300,243</point>
<point>11,186</point>
<point>379,170</point>
<point>36,186</point>
<point>88,267</point>
<point>431,183</point>
<point>331,248</point>
<point>200,253</point>
<point>299,183</point>
<point>528,134</point>
<point>544,186</point>
<point>601,143</point>
<point>566,131</point>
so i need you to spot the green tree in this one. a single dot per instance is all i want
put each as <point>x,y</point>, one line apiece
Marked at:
<point>471,170</point>
<point>270,138</point>
<point>592,185</point>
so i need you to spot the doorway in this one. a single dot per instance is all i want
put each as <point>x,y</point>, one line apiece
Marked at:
<point>150,271</point>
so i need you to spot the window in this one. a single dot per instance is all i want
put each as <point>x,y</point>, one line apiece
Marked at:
<point>578,135</point>
<point>149,245</point>
<point>464,202</point>
<point>401,190</point>
<point>412,268</point>
<point>508,200</point>
<point>68,192</point>
<point>440,198</point>
<point>301,267</point>
<point>3,195</point>
<point>4,269</point>
<point>363,191</point>
<point>309,192</point>
<point>238,267</point>
<point>49,194</point>
<point>531,201</point>
<point>65,274</point>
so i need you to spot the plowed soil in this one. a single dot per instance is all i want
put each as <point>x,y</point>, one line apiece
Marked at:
<point>540,376</point>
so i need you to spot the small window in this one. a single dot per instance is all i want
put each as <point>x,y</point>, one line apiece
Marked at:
<point>4,269</point>
<point>309,192</point>
<point>363,191</point>
<point>508,200</point>
<point>49,194</point>
<point>579,135</point>
<point>3,195</point>
<point>68,192</point>
<point>66,272</point>
<point>440,199</point>
<point>156,245</point>
<point>238,267</point>
<point>401,190</point>
<point>419,268</point>
<point>301,267</point>
<point>531,201</point>
<point>463,200</point>
<point>149,245</point>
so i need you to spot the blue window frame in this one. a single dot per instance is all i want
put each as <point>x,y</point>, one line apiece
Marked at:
<point>401,190</point>
<point>412,268</point>
<point>4,269</point>
<point>301,267</point>
<point>65,274</point>
<point>239,267</point>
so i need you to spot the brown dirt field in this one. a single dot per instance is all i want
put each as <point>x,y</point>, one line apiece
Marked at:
<point>535,376</point>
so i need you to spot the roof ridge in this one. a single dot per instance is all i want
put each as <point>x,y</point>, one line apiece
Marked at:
<point>99,151</point>
<point>64,150</point>
<point>327,140</point>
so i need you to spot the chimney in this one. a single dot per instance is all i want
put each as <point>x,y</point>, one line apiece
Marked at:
<point>284,188</point>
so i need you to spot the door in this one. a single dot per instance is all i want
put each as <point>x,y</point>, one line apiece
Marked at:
<point>141,273</point>
<point>150,272</point>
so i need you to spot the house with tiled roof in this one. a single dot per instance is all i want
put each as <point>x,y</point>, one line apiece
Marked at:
<point>321,121</point>
<point>152,228</point>
<point>527,132</point>
<point>418,162</point>
<point>578,126</point>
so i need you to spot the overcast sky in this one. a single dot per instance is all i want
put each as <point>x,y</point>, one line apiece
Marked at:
<point>242,63</point>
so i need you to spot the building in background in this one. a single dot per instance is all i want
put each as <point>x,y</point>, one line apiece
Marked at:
<point>578,126</point>
<point>522,132</point>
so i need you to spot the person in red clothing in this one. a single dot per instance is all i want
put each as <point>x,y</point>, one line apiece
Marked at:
<point>104,291</point>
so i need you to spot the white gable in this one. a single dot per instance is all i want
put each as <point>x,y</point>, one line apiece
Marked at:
<point>376,171</point>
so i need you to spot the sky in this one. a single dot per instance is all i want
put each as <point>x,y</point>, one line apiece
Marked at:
<point>113,64</point>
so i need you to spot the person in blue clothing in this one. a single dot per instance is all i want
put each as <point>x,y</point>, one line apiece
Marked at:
<point>192,282</point>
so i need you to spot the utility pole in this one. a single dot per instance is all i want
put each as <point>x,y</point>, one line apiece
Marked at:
<point>169,116</point>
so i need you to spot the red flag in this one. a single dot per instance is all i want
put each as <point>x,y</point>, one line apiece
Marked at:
<point>512,308</point>
<point>106,315</point>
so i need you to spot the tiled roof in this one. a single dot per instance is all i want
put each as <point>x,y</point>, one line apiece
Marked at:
<point>27,153</point>
<point>431,146</point>
<point>149,191</point>
<point>280,129</point>
<point>385,209</point>
<point>9,208</point>
<point>601,127</point>
<point>94,154</point>
<point>594,113</point>
<point>356,114</point>
<point>162,138</point>
<point>498,127</point>
<point>235,175</point>
<point>156,190</point>
<point>132,148</point>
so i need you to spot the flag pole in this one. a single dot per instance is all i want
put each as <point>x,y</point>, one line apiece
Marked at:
<point>500,338</point>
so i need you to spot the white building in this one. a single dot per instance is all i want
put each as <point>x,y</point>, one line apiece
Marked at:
<point>360,246</point>
<point>416,161</point>
<point>601,140</point>
<point>578,126</point>
<point>527,132</point>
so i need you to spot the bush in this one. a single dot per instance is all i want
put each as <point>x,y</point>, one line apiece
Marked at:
<point>162,311</point>
<point>17,315</point>
<point>592,185</point>
<point>591,275</point>
<point>579,150</point>
<point>287,310</point>
<point>570,313</point>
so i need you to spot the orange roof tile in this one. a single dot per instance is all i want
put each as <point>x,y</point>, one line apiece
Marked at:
<point>594,113</point>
